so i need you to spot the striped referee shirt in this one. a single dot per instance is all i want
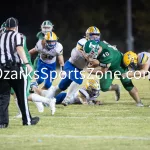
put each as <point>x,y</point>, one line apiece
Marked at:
<point>8,43</point>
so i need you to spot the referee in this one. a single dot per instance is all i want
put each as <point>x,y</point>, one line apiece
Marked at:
<point>12,55</point>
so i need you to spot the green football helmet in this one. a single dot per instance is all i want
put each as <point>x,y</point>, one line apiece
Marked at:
<point>46,26</point>
<point>91,49</point>
<point>3,28</point>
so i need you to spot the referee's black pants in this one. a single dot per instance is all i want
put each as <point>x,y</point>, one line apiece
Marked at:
<point>4,102</point>
<point>11,76</point>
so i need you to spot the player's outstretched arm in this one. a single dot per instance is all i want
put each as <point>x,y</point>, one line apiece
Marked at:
<point>61,60</point>
<point>32,51</point>
<point>142,72</point>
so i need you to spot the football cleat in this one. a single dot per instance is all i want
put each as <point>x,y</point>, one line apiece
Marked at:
<point>52,104</point>
<point>65,102</point>
<point>140,104</point>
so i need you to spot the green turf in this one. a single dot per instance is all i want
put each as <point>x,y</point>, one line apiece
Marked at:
<point>112,126</point>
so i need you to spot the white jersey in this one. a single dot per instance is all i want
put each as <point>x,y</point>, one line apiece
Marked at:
<point>143,58</point>
<point>48,56</point>
<point>77,58</point>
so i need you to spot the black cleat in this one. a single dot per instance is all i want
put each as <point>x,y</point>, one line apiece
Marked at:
<point>34,121</point>
<point>3,125</point>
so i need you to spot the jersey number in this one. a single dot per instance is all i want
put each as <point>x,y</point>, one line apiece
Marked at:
<point>47,56</point>
<point>105,54</point>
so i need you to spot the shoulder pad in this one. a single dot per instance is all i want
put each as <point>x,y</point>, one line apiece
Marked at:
<point>142,58</point>
<point>81,43</point>
<point>38,45</point>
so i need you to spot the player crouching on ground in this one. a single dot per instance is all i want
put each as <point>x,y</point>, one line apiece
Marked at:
<point>86,95</point>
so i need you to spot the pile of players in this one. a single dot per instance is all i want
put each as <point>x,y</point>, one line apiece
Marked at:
<point>89,52</point>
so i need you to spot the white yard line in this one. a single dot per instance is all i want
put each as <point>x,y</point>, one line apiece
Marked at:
<point>76,137</point>
<point>86,117</point>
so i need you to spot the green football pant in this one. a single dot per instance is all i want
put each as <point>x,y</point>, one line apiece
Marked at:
<point>107,79</point>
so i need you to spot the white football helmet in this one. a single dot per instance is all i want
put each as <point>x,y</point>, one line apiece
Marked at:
<point>46,26</point>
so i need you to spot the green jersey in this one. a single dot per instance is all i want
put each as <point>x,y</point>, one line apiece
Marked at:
<point>40,35</point>
<point>26,50</point>
<point>110,57</point>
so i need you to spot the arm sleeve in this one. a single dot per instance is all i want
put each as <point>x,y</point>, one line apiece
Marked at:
<point>60,49</point>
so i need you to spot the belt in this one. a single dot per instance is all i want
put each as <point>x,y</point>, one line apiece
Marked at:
<point>9,65</point>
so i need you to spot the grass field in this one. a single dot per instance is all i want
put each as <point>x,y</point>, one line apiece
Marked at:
<point>112,126</point>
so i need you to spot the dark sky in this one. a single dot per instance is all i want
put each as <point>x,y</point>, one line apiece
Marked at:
<point>71,18</point>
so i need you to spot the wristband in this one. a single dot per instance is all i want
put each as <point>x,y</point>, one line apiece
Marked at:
<point>26,63</point>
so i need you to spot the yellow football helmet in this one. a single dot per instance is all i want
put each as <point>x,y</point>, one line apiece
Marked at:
<point>93,33</point>
<point>130,59</point>
<point>93,87</point>
<point>51,40</point>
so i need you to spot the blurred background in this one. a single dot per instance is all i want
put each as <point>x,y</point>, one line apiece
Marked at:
<point>119,25</point>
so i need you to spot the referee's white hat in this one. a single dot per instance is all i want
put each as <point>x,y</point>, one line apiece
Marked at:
<point>11,22</point>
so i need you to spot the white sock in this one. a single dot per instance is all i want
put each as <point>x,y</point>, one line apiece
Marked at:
<point>44,93</point>
<point>39,106</point>
<point>53,91</point>
<point>71,90</point>
<point>38,98</point>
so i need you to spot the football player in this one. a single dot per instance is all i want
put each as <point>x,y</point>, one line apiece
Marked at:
<point>73,68</point>
<point>110,60</point>
<point>86,95</point>
<point>76,62</point>
<point>48,48</point>
<point>139,63</point>
<point>46,26</point>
